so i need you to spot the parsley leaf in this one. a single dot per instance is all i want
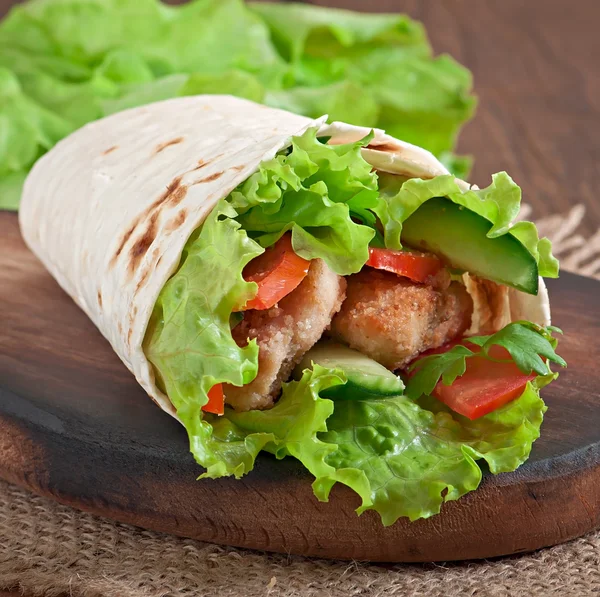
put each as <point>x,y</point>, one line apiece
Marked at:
<point>526,343</point>
<point>448,365</point>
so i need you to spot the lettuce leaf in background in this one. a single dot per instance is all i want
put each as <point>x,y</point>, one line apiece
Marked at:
<point>78,60</point>
<point>232,82</point>
<point>209,36</point>
<point>498,203</point>
<point>459,165</point>
<point>422,100</point>
<point>10,187</point>
<point>26,132</point>
<point>302,32</point>
<point>332,99</point>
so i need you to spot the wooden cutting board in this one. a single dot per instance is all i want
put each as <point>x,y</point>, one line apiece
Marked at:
<point>76,427</point>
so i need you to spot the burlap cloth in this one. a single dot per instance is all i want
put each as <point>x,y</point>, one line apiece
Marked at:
<point>49,549</point>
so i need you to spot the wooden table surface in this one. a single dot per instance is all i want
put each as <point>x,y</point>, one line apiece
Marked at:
<point>536,71</point>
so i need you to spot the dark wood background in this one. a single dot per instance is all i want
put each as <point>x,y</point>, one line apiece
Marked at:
<point>536,66</point>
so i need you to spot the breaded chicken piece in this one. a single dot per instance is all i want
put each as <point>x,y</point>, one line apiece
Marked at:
<point>392,319</point>
<point>284,333</point>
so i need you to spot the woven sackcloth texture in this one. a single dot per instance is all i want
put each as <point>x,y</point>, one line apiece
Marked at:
<point>49,549</point>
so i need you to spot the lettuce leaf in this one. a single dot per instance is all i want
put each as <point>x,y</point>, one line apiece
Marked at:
<point>419,99</point>
<point>410,458</point>
<point>331,99</point>
<point>230,443</point>
<point>75,61</point>
<point>288,429</point>
<point>313,190</point>
<point>11,186</point>
<point>498,203</point>
<point>26,131</point>
<point>189,340</point>
<point>310,189</point>
<point>209,36</point>
<point>303,32</point>
<point>402,458</point>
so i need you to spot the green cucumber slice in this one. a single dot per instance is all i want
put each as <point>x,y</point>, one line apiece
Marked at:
<point>459,236</point>
<point>366,377</point>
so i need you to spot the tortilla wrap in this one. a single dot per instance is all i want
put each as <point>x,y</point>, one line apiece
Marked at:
<point>110,208</point>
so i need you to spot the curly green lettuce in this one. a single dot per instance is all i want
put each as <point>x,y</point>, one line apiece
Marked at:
<point>307,189</point>
<point>404,459</point>
<point>498,203</point>
<point>189,340</point>
<point>397,84</point>
<point>313,190</point>
<point>407,459</point>
<point>75,61</point>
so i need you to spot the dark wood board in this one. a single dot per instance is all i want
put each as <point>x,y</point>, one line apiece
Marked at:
<point>75,426</point>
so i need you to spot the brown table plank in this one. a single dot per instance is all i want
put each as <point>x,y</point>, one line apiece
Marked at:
<point>535,70</point>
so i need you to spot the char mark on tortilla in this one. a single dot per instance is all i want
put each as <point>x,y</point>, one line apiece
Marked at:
<point>389,147</point>
<point>123,242</point>
<point>148,268</point>
<point>176,222</point>
<point>142,281</point>
<point>210,177</point>
<point>173,195</point>
<point>161,146</point>
<point>201,164</point>
<point>204,163</point>
<point>142,244</point>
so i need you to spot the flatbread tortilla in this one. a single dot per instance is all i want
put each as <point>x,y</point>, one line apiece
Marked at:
<point>110,208</point>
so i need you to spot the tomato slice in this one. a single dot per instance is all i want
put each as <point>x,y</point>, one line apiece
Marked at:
<point>277,272</point>
<point>485,385</point>
<point>216,400</point>
<point>419,267</point>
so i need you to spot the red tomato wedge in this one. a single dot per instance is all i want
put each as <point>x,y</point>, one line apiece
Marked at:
<point>277,272</point>
<point>485,385</point>
<point>418,267</point>
<point>216,400</point>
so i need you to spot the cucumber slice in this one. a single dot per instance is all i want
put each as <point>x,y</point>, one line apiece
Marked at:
<point>459,236</point>
<point>366,377</point>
